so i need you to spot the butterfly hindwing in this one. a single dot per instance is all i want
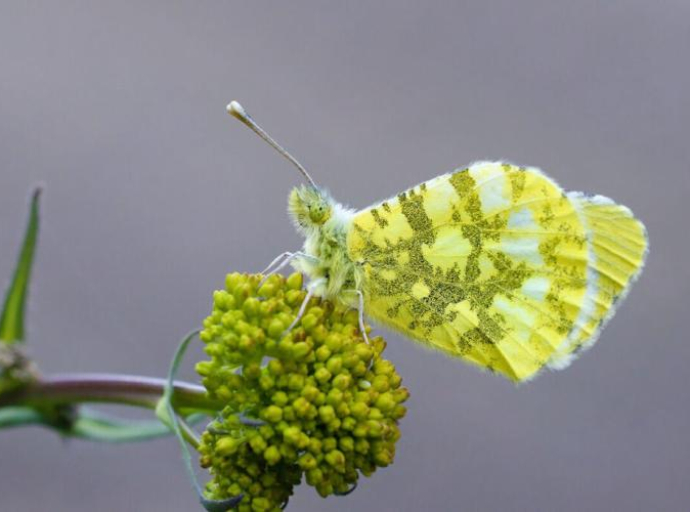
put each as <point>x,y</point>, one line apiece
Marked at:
<point>488,263</point>
<point>617,244</point>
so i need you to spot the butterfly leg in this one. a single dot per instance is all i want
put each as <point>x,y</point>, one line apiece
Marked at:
<point>360,311</point>
<point>362,328</point>
<point>275,261</point>
<point>281,261</point>
<point>310,293</point>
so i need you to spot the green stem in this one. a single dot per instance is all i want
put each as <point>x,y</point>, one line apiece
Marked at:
<point>19,416</point>
<point>110,388</point>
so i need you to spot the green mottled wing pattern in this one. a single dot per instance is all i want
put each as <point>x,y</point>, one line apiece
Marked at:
<point>488,264</point>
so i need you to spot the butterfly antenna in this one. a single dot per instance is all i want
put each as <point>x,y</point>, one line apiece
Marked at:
<point>236,110</point>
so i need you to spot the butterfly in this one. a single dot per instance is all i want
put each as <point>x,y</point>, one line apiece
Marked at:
<point>493,263</point>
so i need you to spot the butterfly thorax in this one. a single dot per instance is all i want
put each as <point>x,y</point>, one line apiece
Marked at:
<point>325,224</point>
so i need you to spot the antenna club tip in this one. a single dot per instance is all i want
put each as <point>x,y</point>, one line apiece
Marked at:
<point>236,110</point>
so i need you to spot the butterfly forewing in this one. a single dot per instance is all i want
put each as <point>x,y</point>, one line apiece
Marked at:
<point>487,263</point>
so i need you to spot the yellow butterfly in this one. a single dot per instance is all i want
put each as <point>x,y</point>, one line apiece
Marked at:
<point>493,263</point>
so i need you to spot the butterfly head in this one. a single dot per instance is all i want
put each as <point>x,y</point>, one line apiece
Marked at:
<point>309,207</point>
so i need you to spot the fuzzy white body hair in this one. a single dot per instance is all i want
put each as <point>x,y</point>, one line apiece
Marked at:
<point>331,272</point>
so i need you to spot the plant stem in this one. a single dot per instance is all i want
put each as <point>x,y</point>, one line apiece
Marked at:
<point>109,388</point>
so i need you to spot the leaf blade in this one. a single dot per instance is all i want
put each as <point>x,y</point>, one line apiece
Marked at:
<point>166,413</point>
<point>93,425</point>
<point>14,307</point>
<point>20,416</point>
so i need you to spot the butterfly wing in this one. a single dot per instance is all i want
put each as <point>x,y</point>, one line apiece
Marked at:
<point>490,264</point>
<point>617,247</point>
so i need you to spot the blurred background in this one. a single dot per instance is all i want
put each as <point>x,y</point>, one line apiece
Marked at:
<point>153,193</point>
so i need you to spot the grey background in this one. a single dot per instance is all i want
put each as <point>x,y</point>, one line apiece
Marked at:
<point>153,193</point>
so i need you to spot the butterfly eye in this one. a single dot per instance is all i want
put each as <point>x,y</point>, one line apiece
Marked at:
<point>317,213</point>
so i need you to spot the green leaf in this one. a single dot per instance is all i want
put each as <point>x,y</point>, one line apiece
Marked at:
<point>166,413</point>
<point>97,426</point>
<point>19,416</point>
<point>90,424</point>
<point>12,319</point>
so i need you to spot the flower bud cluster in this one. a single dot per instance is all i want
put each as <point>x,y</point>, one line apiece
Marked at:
<point>316,400</point>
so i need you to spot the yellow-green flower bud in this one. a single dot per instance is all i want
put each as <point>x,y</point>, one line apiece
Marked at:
<point>336,459</point>
<point>232,281</point>
<point>323,353</point>
<point>292,435</point>
<point>360,430</point>
<point>310,393</point>
<point>385,402</point>
<point>307,462</point>
<point>266,431</point>
<point>276,328</point>
<point>375,428</point>
<point>342,410</point>
<point>328,401</point>
<point>301,407</point>
<point>294,297</point>
<point>272,455</point>
<point>383,456</point>
<point>309,321</point>
<point>251,306</point>
<point>227,446</point>
<point>288,413</point>
<point>314,476</point>
<point>294,282</point>
<point>376,414</point>
<point>326,413</point>
<point>334,364</point>
<point>380,383</point>
<point>334,342</point>
<point>316,311</point>
<point>315,446</point>
<point>204,368</point>
<point>279,398</point>
<point>334,397</point>
<point>364,353</point>
<point>258,444</point>
<point>261,505</point>
<point>288,452</point>
<point>267,290</point>
<point>347,444</point>
<point>300,350</point>
<point>266,381</point>
<point>398,412</point>
<point>296,382</point>
<point>342,381</point>
<point>351,318</point>
<point>322,375</point>
<point>348,424</point>
<point>362,446</point>
<point>329,444</point>
<point>251,370</point>
<point>359,410</point>
<point>273,414</point>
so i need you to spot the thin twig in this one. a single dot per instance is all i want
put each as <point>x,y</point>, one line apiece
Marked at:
<point>109,388</point>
